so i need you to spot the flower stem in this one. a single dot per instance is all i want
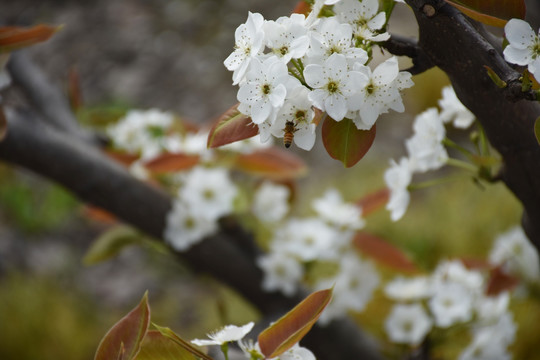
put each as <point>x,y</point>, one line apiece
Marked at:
<point>447,142</point>
<point>434,182</point>
<point>225,350</point>
<point>462,165</point>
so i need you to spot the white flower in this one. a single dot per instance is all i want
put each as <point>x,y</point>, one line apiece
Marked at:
<point>455,271</point>
<point>397,178</point>
<point>296,353</point>
<point>184,228</point>
<point>271,202</point>
<point>490,308</point>
<point>298,110</point>
<point>331,208</point>
<point>307,239</point>
<point>265,88</point>
<point>333,85</point>
<point>227,334</point>
<point>287,37</point>
<point>332,37</point>
<point>281,272</point>
<point>363,17</point>
<point>403,289</point>
<point>513,250</point>
<point>249,43</point>
<point>524,45</point>
<point>453,110</point>
<point>208,191</point>
<point>381,92</point>
<point>451,303</point>
<point>424,147</point>
<point>407,324</point>
<point>353,287</point>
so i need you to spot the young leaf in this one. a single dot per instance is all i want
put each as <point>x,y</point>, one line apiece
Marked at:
<point>124,339</point>
<point>294,325</point>
<point>383,252</point>
<point>155,346</point>
<point>272,163</point>
<point>167,163</point>
<point>344,142</point>
<point>302,7</point>
<point>495,13</point>
<point>15,37</point>
<point>168,333</point>
<point>500,281</point>
<point>495,78</point>
<point>373,201</point>
<point>230,127</point>
<point>537,130</point>
<point>3,124</point>
<point>111,243</point>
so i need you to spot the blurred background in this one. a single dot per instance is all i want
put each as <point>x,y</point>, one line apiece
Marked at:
<point>168,54</point>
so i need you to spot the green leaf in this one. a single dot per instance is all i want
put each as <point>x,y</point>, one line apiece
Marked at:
<point>344,142</point>
<point>110,243</point>
<point>155,346</point>
<point>230,127</point>
<point>124,339</point>
<point>168,333</point>
<point>495,78</point>
<point>490,12</point>
<point>293,326</point>
<point>537,130</point>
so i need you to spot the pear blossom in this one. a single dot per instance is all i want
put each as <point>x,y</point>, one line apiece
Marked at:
<point>513,250</point>
<point>363,17</point>
<point>184,228</point>
<point>335,211</point>
<point>452,303</point>
<point>333,85</point>
<point>265,89</point>
<point>208,191</point>
<point>397,178</point>
<point>490,308</point>
<point>287,37</point>
<point>271,202</point>
<point>249,43</point>
<point>425,146</point>
<point>407,324</point>
<point>455,271</point>
<point>403,289</point>
<point>524,45</point>
<point>281,272</point>
<point>452,110</point>
<point>296,353</point>
<point>226,334</point>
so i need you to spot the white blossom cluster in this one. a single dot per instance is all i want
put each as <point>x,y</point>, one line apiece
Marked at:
<point>287,67</point>
<point>454,295</point>
<point>249,348</point>
<point>425,149</point>
<point>326,238</point>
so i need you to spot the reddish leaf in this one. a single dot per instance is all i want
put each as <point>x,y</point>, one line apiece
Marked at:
<point>302,8</point>
<point>374,201</point>
<point>230,127</point>
<point>294,325</point>
<point>383,252</point>
<point>156,346</point>
<point>125,337</point>
<point>172,162</point>
<point>490,12</point>
<point>536,129</point>
<point>98,214</point>
<point>121,157</point>
<point>272,163</point>
<point>500,281</point>
<point>168,333</point>
<point>344,142</point>
<point>74,89</point>
<point>3,124</point>
<point>14,37</point>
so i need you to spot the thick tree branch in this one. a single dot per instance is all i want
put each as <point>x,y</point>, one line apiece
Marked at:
<point>452,42</point>
<point>402,46</point>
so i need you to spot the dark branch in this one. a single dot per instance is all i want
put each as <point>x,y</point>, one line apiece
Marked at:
<point>402,46</point>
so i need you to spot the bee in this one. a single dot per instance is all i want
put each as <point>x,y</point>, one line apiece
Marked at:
<point>288,133</point>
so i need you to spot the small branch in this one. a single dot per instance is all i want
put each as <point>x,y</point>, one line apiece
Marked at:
<point>402,46</point>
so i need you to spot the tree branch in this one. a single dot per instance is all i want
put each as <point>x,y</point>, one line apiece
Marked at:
<point>402,46</point>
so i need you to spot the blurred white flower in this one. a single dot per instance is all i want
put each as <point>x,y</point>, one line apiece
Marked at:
<point>397,178</point>
<point>491,308</point>
<point>208,192</point>
<point>407,324</point>
<point>425,146</point>
<point>281,272</point>
<point>271,202</point>
<point>296,353</point>
<point>524,45</point>
<point>455,271</point>
<point>453,110</point>
<point>184,228</point>
<point>249,43</point>
<point>513,250</point>
<point>331,208</point>
<point>451,303</point>
<point>226,334</point>
<point>409,289</point>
